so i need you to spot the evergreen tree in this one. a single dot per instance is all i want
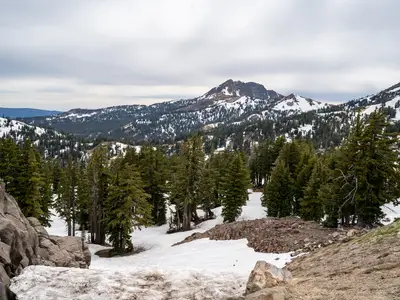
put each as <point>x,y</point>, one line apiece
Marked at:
<point>83,199</point>
<point>234,188</point>
<point>47,195</point>
<point>365,174</point>
<point>303,171</point>
<point>278,194</point>
<point>29,182</point>
<point>99,180</point>
<point>185,185</point>
<point>311,207</point>
<point>376,170</point>
<point>207,190</point>
<point>126,208</point>
<point>152,165</point>
<point>10,169</point>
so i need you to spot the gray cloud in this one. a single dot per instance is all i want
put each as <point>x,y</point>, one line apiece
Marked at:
<point>98,53</point>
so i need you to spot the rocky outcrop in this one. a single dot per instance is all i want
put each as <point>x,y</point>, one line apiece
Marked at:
<point>366,267</point>
<point>266,282</point>
<point>6,293</point>
<point>25,242</point>
<point>265,275</point>
<point>274,235</point>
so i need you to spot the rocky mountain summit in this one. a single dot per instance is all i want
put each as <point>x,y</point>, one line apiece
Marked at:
<point>231,88</point>
<point>25,242</point>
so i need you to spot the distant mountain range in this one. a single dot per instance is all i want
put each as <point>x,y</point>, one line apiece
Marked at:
<point>233,114</point>
<point>230,102</point>
<point>14,113</point>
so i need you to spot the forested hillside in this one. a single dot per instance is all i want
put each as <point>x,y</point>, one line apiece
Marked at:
<point>105,194</point>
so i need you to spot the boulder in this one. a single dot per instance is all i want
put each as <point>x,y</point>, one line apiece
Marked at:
<point>6,293</point>
<point>264,276</point>
<point>25,242</point>
<point>275,293</point>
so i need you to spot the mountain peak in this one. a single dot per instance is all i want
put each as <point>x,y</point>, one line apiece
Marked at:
<point>231,89</point>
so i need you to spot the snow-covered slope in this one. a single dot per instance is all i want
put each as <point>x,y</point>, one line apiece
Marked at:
<point>18,129</point>
<point>207,269</point>
<point>295,103</point>
<point>230,102</point>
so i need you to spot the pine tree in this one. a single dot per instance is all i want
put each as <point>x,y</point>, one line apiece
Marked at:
<point>278,194</point>
<point>126,208</point>
<point>376,170</point>
<point>99,180</point>
<point>47,195</point>
<point>10,165</point>
<point>234,188</point>
<point>364,175</point>
<point>29,182</point>
<point>152,165</point>
<point>207,190</point>
<point>185,184</point>
<point>303,171</point>
<point>83,198</point>
<point>311,207</point>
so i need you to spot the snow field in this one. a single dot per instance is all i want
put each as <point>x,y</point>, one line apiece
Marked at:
<point>202,269</point>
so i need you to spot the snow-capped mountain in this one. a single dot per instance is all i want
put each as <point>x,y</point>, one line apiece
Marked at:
<point>232,102</point>
<point>231,89</point>
<point>18,130</point>
<point>49,142</point>
<point>234,110</point>
<point>295,104</point>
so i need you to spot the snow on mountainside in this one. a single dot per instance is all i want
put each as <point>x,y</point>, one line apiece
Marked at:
<point>296,103</point>
<point>49,142</point>
<point>18,129</point>
<point>231,102</point>
<point>233,105</point>
<point>231,88</point>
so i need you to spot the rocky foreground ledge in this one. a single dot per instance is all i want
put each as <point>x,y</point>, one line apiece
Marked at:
<point>25,242</point>
<point>365,267</point>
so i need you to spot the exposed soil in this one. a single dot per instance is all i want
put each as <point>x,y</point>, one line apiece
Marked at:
<point>275,235</point>
<point>367,267</point>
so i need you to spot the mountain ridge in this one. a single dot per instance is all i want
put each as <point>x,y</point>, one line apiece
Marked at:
<point>13,113</point>
<point>229,102</point>
<point>228,114</point>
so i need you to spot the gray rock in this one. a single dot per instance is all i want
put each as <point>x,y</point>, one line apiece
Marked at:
<point>6,293</point>
<point>265,275</point>
<point>351,233</point>
<point>275,293</point>
<point>4,276</point>
<point>25,242</point>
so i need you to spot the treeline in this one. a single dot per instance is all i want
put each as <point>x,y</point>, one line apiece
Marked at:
<point>345,185</point>
<point>27,177</point>
<point>108,196</point>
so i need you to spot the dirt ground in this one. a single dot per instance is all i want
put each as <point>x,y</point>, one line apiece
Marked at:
<point>273,235</point>
<point>367,267</point>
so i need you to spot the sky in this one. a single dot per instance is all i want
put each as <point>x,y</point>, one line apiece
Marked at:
<point>94,53</point>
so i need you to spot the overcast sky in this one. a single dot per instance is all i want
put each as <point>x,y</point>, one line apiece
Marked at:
<point>63,54</point>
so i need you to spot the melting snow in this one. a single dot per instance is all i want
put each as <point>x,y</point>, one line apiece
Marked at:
<point>207,269</point>
<point>298,103</point>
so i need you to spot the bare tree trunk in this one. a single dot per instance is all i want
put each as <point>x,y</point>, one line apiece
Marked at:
<point>187,216</point>
<point>73,212</point>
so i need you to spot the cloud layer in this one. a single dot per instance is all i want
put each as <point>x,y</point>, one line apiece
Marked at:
<point>66,54</point>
